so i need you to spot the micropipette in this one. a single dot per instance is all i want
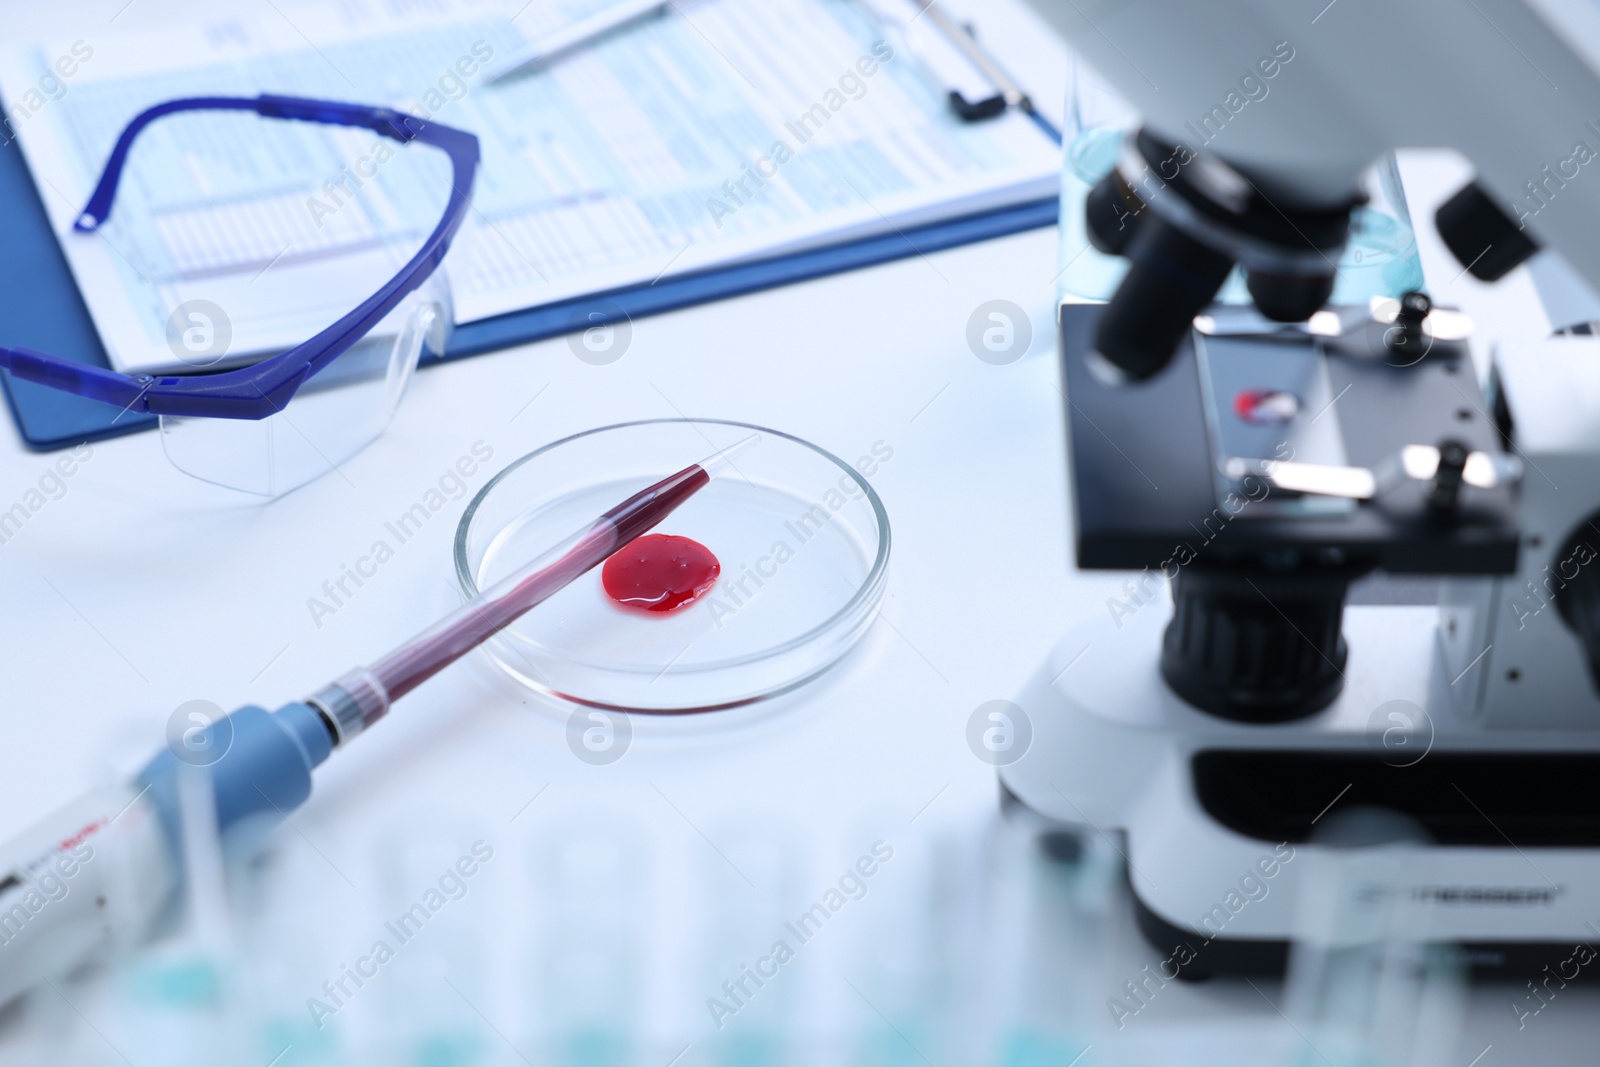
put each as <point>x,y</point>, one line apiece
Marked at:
<point>95,875</point>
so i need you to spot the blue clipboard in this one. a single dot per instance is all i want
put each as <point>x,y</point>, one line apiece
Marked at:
<point>41,308</point>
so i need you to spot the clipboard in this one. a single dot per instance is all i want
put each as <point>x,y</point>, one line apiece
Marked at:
<point>41,308</point>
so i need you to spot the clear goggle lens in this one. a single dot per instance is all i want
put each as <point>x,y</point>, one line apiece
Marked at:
<point>336,414</point>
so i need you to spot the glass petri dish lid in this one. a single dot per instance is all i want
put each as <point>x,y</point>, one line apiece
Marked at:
<point>801,536</point>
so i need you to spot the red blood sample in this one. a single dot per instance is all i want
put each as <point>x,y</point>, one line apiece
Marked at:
<point>659,572</point>
<point>1265,407</point>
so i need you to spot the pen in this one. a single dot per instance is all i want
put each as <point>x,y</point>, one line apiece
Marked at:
<point>586,31</point>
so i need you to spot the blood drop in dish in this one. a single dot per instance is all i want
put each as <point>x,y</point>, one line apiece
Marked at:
<point>659,572</point>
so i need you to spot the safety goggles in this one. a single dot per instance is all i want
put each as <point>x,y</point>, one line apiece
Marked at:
<point>233,427</point>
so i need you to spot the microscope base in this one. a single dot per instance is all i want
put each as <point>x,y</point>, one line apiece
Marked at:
<point>1219,816</point>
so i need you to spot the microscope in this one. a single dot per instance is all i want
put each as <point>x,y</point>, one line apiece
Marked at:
<point>1259,465</point>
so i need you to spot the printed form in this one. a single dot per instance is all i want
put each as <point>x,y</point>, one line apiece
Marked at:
<point>725,131</point>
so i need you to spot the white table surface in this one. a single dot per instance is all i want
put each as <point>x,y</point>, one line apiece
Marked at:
<point>141,589</point>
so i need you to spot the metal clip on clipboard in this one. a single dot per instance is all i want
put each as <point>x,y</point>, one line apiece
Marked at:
<point>1007,92</point>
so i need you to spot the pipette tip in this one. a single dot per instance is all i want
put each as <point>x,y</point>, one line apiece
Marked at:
<point>721,461</point>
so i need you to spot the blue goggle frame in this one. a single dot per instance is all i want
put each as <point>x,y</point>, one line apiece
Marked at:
<point>264,388</point>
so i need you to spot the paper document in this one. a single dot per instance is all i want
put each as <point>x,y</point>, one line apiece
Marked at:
<point>724,131</point>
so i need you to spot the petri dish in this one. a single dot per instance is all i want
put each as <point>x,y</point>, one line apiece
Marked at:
<point>801,536</point>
